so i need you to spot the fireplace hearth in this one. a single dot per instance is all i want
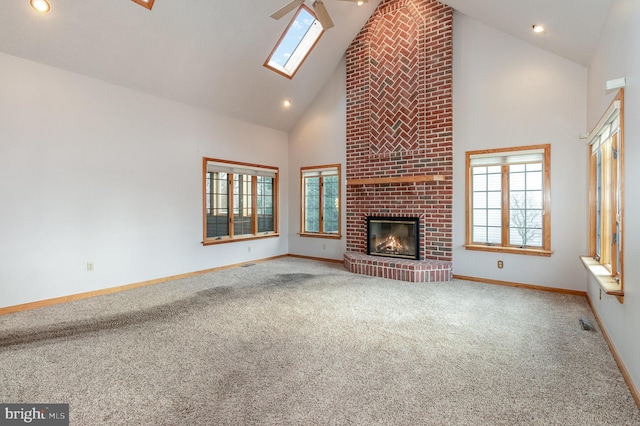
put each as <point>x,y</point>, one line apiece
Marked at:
<point>393,237</point>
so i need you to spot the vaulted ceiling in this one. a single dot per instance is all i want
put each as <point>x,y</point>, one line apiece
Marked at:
<point>209,53</point>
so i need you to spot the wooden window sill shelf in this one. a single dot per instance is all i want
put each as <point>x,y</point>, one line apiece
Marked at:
<point>608,284</point>
<point>513,250</point>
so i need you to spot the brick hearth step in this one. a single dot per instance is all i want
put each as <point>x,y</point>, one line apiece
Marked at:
<point>398,269</point>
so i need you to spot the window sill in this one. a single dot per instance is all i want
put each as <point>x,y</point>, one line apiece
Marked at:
<point>318,235</point>
<point>603,276</point>
<point>512,250</point>
<point>223,240</point>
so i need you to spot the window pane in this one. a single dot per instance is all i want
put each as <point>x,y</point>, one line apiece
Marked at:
<point>535,238</point>
<point>606,203</point>
<point>479,200</point>
<point>479,182</point>
<point>515,236</point>
<point>494,182</point>
<point>525,237</point>
<point>331,204</point>
<point>516,180</point>
<point>534,219</point>
<point>494,217</point>
<point>479,217</point>
<point>312,204</point>
<point>534,200</point>
<point>487,204</point>
<point>216,204</point>
<point>494,200</point>
<point>494,235</point>
<point>265,204</point>
<point>480,234</point>
<point>534,180</point>
<point>525,204</point>
<point>532,167</point>
<point>598,203</point>
<point>517,199</point>
<point>242,213</point>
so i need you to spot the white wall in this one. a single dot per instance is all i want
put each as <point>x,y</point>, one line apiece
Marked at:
<point>617,56</point>
<point>510,93</point>
<point>92,172</point>
<point>319,138</point>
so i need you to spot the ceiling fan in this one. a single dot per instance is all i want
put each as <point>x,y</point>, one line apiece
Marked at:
<point>318,7</point>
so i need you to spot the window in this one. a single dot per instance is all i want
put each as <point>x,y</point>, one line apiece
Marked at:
<point>320,199</point>
<point>605,259</point>
<point>240,201</point>
<point>296,42</point>
<point>508,200</point>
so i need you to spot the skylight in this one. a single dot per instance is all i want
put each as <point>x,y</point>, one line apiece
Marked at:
<point>296,42</point>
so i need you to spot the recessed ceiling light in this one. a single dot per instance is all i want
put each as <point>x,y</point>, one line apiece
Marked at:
<point>286,103</point>
<point>41,6</point>
<point>538,29</point>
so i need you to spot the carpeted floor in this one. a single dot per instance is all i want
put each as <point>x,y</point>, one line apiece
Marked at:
<point>293,341</point>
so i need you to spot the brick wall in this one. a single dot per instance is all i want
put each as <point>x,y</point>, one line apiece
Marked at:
<point>400,121</point>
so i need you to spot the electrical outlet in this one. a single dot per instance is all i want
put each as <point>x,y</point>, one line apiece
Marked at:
<point>500,264</point>
<point>89,266</point>
<point>324,247</point>
<point>249,248</point>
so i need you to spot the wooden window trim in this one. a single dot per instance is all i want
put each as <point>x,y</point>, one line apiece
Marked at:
<point>282,37</point>
<point>321,233</point>
<point>230,207</point>
<point>610,277</point>
<point>545,250</point>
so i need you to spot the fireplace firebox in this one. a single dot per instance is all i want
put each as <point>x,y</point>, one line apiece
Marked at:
<point>393,237</point>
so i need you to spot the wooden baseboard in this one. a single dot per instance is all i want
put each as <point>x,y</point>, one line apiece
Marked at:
<point>521,285</point>
<point>320,259</point>
<point>88,294</point>
<point>616,356</point>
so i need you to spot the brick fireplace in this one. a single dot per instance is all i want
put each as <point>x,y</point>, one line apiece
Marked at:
<point>400,135</point>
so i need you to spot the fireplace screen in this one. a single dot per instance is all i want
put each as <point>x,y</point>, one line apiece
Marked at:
<point>393,237</point>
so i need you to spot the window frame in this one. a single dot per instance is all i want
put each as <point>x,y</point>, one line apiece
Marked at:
<point>504,246</point>
<point>319,170</point>
<point>233,169</point>
<point>606,197</point>
<point>282,70</point>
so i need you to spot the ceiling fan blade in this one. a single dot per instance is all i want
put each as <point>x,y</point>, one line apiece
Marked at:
<point>322,15</point>
<point>286,9</point>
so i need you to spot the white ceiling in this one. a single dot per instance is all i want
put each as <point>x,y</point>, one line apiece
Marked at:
<point>209,53</point>
<point>573,26</point>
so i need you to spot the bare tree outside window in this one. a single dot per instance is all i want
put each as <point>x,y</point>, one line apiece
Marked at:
<point>525,205</point>
<point>525,223</point>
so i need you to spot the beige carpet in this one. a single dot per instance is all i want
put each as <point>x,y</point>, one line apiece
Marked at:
<point>293,341</point>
